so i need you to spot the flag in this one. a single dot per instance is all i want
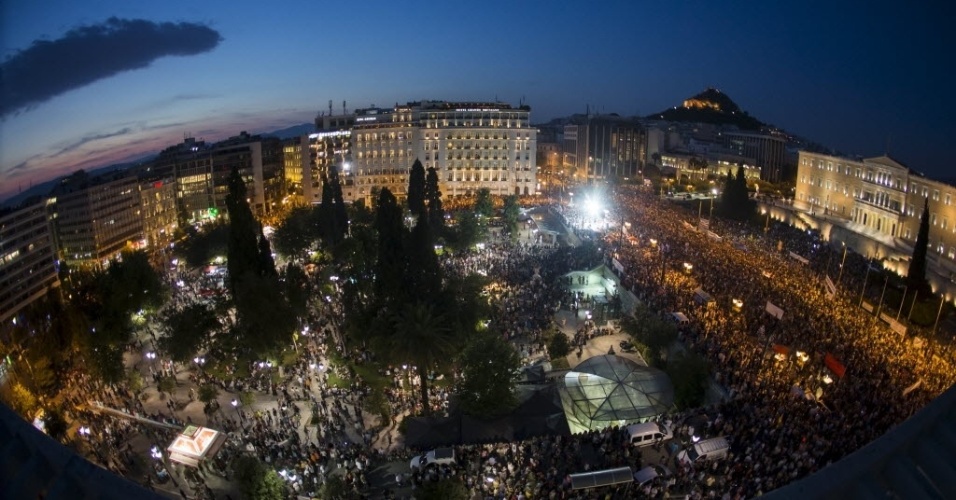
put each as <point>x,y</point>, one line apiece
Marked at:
<point>835,366</point>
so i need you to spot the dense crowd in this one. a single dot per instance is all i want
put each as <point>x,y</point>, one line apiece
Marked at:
<point>313,428</point>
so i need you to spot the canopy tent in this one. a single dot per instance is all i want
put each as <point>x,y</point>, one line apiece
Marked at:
<point>195,444</point>
<point>598,478</point>
<point>608,390</point>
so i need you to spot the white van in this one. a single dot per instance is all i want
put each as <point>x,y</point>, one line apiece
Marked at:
<point>708,449</point>
<point>648,433</point>
<point>680,318</point>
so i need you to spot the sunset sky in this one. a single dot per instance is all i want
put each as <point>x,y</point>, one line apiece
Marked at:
<point>87,84</point>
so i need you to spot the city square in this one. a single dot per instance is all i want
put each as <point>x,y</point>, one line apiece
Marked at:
<point>559,262</point>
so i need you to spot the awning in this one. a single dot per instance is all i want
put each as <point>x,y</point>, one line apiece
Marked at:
<point>606,477</point>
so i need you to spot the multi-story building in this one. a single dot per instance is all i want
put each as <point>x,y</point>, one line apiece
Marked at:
<point>201,171</point>
<point>471,145</point>
<point>297,166</point>
<point>605,146</point>
<point>95,218</point>
<point>27,257</point>
<point>769,152</point>
<point>881,199</point>
<point>160,220</point>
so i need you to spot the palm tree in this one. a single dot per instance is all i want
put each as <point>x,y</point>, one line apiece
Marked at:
<point>421,336</point>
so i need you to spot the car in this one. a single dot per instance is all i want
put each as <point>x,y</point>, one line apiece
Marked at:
<point>438,456</point>
<point>649,473</point>
<point>708,449</point>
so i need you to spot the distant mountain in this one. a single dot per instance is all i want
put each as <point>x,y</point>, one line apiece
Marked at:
<point>293,131</point>
<point>710,106</point>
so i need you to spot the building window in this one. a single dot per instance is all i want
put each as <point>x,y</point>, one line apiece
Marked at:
<point>935,195</point>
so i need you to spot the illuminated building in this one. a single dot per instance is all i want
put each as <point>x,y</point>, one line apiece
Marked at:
<point>471,145</point>
<point>883,200</point>
<point>159,213</point>
<point>95,218</point>
<point>297,169</point>
<point>201,172</point>
<point>601,147</point>
<point>767,151</point>
<point>27,257</point>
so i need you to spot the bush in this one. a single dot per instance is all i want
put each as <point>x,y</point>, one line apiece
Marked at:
<point>558,346</point>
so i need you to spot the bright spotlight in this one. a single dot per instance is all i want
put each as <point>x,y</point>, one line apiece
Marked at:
<point>592,207</point>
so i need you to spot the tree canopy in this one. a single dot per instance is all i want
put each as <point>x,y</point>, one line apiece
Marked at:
<point>489,368</point>
<point>416,190</point>
<point>916,274</point>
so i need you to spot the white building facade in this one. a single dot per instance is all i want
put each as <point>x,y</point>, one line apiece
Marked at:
<point>471,145</point>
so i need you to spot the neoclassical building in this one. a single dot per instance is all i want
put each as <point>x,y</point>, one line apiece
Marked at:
<point>471,145</point>
<point>880,198</point>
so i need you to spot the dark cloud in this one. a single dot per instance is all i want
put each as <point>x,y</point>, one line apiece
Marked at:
<point>89,138</point>
<point>90,53</point>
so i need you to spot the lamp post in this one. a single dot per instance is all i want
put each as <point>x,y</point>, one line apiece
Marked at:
<point>235,404</point>
<point>842,261</point>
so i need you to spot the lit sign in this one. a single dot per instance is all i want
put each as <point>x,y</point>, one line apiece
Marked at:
<point>476,110</point>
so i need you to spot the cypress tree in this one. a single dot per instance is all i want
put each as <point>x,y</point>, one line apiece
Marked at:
<point>266,264</point>
<point>416,189</point>
<point>325,214</point>
<point>432,193</point>
<point>424,278</point>
<point>916,275</point>
<point>390,264</point>
<point>340,218</point>
<point>242,246</point>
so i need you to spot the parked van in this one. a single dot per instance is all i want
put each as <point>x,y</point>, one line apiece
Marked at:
<point>648,433</point>
<point>708,449</point>
<point>680,318</point>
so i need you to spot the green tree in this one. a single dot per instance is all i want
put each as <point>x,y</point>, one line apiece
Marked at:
<point>243,249</point>
<point>468,230</point>
<point>339,211</point>
<point>916,275</point>
<point>445,489</point>
<point>296,233</point>
<point>510,214</point>
<point>484,206</point>
<point>166,384</point>
<point>187,331</point>
<point>266,263</point>
<point>55,423</point>
<point>256,480</point>
<point>296,285</point>
<point>689,372</point>
<point>201,247</point>
<point>424,274</point>
<point>416,190</point>
<point>391,260</point>
<point>422,338</point>
<point>208,393</point>
<point>266,321</point>
<point>558,346</point>
<point>489,368</point>
<point>436,214</point>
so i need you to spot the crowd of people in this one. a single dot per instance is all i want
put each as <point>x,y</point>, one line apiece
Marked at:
<point>309,428</point>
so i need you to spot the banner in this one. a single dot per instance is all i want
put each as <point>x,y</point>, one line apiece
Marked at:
<point>831,288</point>
<point>913,387</point>
<point>867,307</point>
<point>704,224</point>
<point>896,326</point>
<point>714,236</point>
<point>835,366</point>
<point>798,258</point>
<point>617,265</point>
<point>688,225</point>
<point>774,311</point>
